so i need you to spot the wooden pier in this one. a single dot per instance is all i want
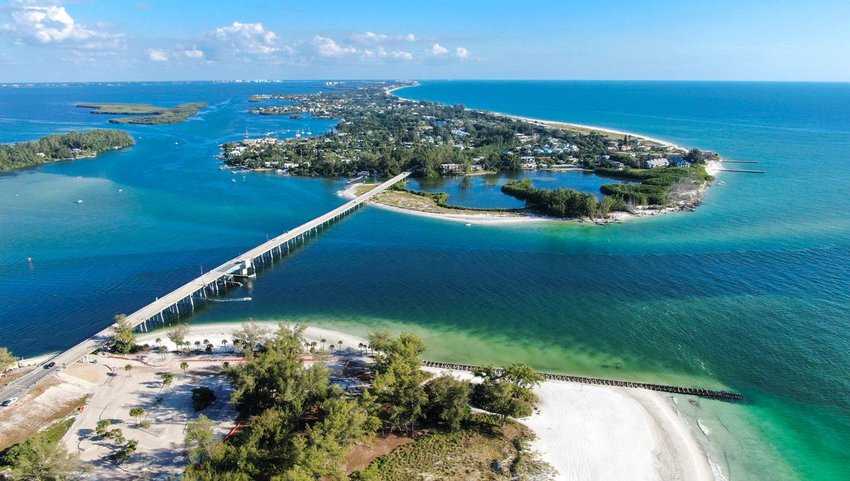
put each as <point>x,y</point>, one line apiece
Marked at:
<point>691,391</point>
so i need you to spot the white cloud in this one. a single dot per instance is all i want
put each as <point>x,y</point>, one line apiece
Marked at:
<point>461,52</point>
<point>378,38</point>
<point>194,52</point>
<point>394,54</point>
<point>327,47</point>
<point>250,38</point>
<point>52,24</point>
<point>438,49</point>
<point>157,55</point>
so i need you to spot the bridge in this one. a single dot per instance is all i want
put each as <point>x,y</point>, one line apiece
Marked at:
<point>210,283</point>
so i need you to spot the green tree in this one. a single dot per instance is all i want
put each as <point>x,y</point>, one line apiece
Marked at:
<point>123,335</point>
<point>40,459</point>
<point>7,360</point>
<point>695,156</point>
<point>249,336</point>
<point>202,397</point>
<point>276,377</point>
<point>177,334</point>
<point>137,413</point>
<point>102,426</point>
<point>448,401</point>
<point>397,387</point>
<point>199,439</point>
<point>508,391</point>
<point>184,366</point>
<point>128,368</point>
<point>166,378</point>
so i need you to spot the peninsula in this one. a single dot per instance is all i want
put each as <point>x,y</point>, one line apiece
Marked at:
<point>70,146</point>
<point>380,135</point>
<point>145,114</point>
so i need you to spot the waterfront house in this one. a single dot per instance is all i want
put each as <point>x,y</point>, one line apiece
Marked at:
<point>656,162</point>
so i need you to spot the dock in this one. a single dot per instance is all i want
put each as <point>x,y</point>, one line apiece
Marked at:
<point>181,301</point>
<point>727,396</point>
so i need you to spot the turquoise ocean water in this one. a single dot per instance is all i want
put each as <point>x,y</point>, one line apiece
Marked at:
<point>750,292</point>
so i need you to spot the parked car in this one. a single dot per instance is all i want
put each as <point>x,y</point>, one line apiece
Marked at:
<point>49,365</point>
<point>9,402</point>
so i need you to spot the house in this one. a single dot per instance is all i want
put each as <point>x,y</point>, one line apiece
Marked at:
<point>679,161</point>
<point>656,162</point>
<point>618,165</point>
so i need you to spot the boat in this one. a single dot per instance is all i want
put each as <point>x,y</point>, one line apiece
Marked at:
<point>79,201</point>
<point>235,299</point>
<point>233,180</point>
<point>467,224</point>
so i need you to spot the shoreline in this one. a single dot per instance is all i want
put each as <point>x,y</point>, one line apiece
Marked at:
<point>509,218</point>
<point>650,439</point>
<point>556,123</point>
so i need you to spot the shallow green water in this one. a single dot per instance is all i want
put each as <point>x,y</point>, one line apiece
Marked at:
<point>750,292</point>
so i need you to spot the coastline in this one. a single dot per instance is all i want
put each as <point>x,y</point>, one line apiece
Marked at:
<point>584,432</point>
<point>504,218</point>
<point>556,123</point>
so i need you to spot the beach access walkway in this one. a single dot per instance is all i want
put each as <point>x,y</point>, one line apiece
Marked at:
<point>209,284</point>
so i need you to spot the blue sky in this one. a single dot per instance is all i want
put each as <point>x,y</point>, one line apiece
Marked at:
<point>89,40</point>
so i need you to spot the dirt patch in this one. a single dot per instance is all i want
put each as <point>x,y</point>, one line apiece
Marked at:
<point>420,203</point>
<point>363,454</point>
<point>87,372</point>
<point>23,425</point>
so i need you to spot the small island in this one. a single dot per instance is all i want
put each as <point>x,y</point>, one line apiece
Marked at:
<point>70,146</point>
<point>380,135</point>
<point>145,114</point>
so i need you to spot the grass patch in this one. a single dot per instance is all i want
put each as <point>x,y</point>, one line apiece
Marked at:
<point>481,450</point>
<point>52,435</point>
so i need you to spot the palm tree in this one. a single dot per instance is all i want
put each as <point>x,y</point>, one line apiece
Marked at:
<point>128,368</point>
<point>339,343</point>
<point>198,346</point>
<point>184,366</point>
<point>158,341</point>
<point>224,344</point>
<point>206,341</point>
<point>331,348</point>
<point>323,343</point>
<point>361,346</point>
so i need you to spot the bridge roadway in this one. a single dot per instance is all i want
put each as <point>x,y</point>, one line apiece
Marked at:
<point>210,282</point>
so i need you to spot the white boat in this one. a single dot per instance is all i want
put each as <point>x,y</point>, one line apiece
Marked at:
<point>79,201</point>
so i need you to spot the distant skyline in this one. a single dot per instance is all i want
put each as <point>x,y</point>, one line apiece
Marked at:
<point>125,40</point>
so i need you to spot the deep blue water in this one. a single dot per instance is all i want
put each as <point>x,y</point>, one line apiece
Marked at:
<point>748,292</point>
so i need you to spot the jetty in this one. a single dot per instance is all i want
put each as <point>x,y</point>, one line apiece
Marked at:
<point>727,396</point>
<point>208,285</point>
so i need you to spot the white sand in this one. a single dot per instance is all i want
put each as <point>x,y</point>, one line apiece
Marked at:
<point>585,432</point>
<point>479,219</point>
<point>215,333</point>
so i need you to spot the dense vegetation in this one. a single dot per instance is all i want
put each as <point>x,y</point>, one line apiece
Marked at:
<point>296,425</point>
<point>476,451</point>
<point>558,202</point>
<point>42,457</point>
<point>655,184</point>
<point>382,134</point>
<point>146,114</point>
<point>73,145</point>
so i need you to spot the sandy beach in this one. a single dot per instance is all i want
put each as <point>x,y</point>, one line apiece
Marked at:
<point>585,432</point>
